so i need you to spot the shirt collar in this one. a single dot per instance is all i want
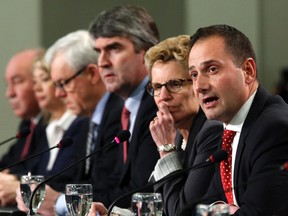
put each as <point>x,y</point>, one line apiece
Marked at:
<point>37,118</point>
<point>132,103</point>
<point>99,109</point>
<point>237,122</point>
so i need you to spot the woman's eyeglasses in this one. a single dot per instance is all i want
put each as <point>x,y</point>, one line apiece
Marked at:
<point>172,86</point>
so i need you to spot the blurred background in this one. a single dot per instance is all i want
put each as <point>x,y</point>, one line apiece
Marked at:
<point>38,23</point>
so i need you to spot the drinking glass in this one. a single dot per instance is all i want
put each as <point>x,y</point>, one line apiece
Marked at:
<point>79,198</point>
<point>147,204</point>
<point>219,210</point>
<point>27,186</point>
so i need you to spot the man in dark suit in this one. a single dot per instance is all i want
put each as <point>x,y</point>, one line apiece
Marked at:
<point>122,35</point>
<point>23,102</point>
<point>223,68</point>
<point>21,96</point>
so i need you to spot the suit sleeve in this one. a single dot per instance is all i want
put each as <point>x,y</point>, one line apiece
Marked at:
<point>178,192</point>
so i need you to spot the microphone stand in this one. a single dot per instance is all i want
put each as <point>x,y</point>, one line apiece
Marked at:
<point>60,172</point>
<point>28,158</point>
<point>216,157</point>
<point>122,136</point>
<point>166,178</point>
<point>65,142</point>
<point>21,134</point>
<point>7,140</point>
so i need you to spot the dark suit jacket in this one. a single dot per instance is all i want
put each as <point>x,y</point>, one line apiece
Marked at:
<point>142,157</point>
<point>262,148</point>
<point>14,153</point>
<point>66,156</point>
<point>202,142</point>
<point>104,162</point>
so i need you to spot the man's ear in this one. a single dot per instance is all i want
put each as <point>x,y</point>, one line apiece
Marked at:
<point>250,72</point>
<point>93,73</point>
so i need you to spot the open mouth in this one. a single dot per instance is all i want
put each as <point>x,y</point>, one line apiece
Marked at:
<point>109,75</point>
<point>210,100</point>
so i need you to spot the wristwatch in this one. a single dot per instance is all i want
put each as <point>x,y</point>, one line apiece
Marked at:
<point>166,147</point>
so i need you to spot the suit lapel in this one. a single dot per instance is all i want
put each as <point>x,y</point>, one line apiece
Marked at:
<point>111,121</point>
<point>147,111</point>
<point>255,110</point>
<point>198,122</point>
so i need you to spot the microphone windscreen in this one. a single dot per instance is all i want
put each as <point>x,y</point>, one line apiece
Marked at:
<point>23,132</point>
<point>284,166</point>
<point>122,136</point>
<point>219,156</point>
<point>65,142</point>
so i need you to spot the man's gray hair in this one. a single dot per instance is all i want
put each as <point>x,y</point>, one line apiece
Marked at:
<point>77,48</point>
<point>128,21</point>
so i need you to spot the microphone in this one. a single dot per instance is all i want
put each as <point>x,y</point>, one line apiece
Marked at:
<point>284,166</point>
<point>121,137</point>
<point>216,157</point>
<point>186,211</point>
<point>65,142</point>
<point>24,132</point>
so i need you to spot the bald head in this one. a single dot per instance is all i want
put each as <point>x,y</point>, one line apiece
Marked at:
<point>20,83</point>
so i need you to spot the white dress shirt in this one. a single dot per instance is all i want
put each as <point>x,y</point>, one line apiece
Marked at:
<point>55,131</point>
<point>236,125</point>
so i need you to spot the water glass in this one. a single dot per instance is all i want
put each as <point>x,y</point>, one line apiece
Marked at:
<point>79,198</point>
<point>147,204</point>
<point>27,185</point>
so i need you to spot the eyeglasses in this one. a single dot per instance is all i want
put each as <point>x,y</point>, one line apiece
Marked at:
<point>172,86</point>
<point>64,84</point>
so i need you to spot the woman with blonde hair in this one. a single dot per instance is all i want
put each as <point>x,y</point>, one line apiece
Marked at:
<point>182,133</point>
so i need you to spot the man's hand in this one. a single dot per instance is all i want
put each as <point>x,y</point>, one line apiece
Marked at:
<point>233,209</point>
<point>20,203</point>
<point>162,127</point>
<point>8,185</point>
<point>98,207</point>
<point>47,206</point>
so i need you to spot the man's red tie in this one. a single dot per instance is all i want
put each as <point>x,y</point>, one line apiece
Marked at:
<point>226,165</point>
<point>125,124</point>
<point>28,141</point>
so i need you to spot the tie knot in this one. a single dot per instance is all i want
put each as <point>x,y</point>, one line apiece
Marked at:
<point>125,112</point>
<point>125,118</point>
<point>228,136</point>
<point>92,125</point>
<point>32,125</point>
<point>229,133</point>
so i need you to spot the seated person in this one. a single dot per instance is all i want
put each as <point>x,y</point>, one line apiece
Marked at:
<point>23,102</point>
